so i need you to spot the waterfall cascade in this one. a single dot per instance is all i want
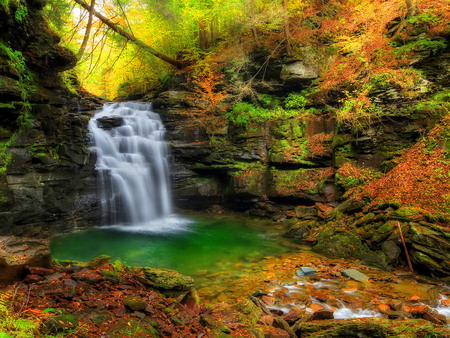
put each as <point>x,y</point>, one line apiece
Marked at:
<point>132,164</point>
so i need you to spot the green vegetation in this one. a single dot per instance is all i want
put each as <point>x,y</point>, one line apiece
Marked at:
<point>423,44</point>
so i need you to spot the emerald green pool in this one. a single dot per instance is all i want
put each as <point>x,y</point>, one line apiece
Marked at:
<point>201,246</point>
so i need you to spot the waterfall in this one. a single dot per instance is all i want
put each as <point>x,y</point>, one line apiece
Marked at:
<point>132,164</point>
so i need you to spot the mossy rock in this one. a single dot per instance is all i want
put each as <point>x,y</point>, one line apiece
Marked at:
<point>300,229</point>
<point>111,276</point>
<point>428,237</point>
<point>338,243</point>
<point>376,259</point>
<point>384,231</point>
<point>346,207</point>
<point>132,328</point>
<point>168,280</point>
<point>135,303</point>
<point>99,261</point>
<point>250,313</point>
<point>214,325</point>
<point>409,214</point>
<point>367,218</point>
<point>375,328</point>
<point>61,323</point>
<point>426,262</point>
<point>391,251</point>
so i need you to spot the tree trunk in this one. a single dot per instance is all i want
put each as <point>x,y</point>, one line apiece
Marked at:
<point>87,33</point>
<point>131,37</point>
<point>254,30</point>
<point>412,8</point>
<point>202,35</point>
<point>287,33</point>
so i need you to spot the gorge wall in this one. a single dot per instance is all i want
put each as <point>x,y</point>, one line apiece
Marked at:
<point>45,163</point>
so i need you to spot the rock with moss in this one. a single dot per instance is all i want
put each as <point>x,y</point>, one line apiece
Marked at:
<point>132,328</point>
<point>170,282</point>
<point>99,261</point>
<point>135,302</point>
<point>249,311</point>
<point>111,276</point>
<point>300,229</point>
<point>61,323</point>
<point>339,243</point>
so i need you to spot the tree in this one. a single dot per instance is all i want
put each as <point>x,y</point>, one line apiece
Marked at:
<point>287,32</point>
<point>88,31</point>
<point>131,37</point>
<point>412,7</point>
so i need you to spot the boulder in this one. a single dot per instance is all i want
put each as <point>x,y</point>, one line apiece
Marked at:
<point>298,72</point>
<point>168,281</point>
<point>338,243</point>
<point>109,122</point>
<point>16,254</point>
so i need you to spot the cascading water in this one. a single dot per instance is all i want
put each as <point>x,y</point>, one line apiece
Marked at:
<point>132,164</point>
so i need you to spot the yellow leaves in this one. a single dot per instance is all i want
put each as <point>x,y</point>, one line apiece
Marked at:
<point>352,44</point>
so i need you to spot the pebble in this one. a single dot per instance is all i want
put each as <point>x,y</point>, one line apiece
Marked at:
<point>305,271</point>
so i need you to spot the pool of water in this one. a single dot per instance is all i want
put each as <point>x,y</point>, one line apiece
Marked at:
<point>200,247</point>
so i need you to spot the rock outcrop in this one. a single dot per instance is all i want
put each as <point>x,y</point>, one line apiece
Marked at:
<point>45,162</point>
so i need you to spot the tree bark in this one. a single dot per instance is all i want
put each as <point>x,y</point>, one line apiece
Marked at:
<point>287,32</point>
<point>131,37</point>
<point>412,8</point>
<point>87,32</point>
<point>253,28</point>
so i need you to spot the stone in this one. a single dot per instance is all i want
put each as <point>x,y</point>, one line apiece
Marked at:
<point>87,275</point>
<point>398,315</point>
<point>176,99</point>
<point>305,271</point>
<point>376,259</point>
<point>435,318</point>
<point>61,323</point>
<point>355,275</point>
<point>305,212</point>
<point>282,324</point>
<point>135,303</point>
<point>18,253</point>
<point>298,72</point>
<point>109,122</point>
<point>300,229</point>
<point>168,280</point>
<point>191,301</point>
<point>337,243</point>
<point>391,251</point>
<point>36,270</point>
<point>111,276</point>
<point>273,332</point>
<point>323,314</point>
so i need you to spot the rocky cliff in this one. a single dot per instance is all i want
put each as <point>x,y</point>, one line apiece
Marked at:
<point>306,168</point>
<point>44,156</point>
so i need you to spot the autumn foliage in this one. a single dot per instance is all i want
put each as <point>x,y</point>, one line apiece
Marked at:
<point>421,179</point>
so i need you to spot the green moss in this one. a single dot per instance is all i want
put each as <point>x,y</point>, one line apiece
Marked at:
<point>299,182</point>
<point>5,156</point>
<point>338,243</point>
<point>421,44</point>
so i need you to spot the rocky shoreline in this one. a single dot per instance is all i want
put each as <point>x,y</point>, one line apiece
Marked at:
<point>295,299</point>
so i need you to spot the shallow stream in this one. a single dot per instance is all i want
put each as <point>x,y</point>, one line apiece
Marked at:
<point>232,258</point>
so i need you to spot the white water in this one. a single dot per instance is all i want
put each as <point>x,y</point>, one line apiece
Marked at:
<point>133,168</point>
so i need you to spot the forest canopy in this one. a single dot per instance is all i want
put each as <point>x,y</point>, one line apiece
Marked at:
<point>367,36</point>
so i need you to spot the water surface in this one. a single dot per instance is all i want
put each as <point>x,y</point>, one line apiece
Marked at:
<point>200,246</point>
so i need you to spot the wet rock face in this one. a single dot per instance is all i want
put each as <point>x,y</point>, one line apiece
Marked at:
<point>46,168</point>
<point>109,122</point>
